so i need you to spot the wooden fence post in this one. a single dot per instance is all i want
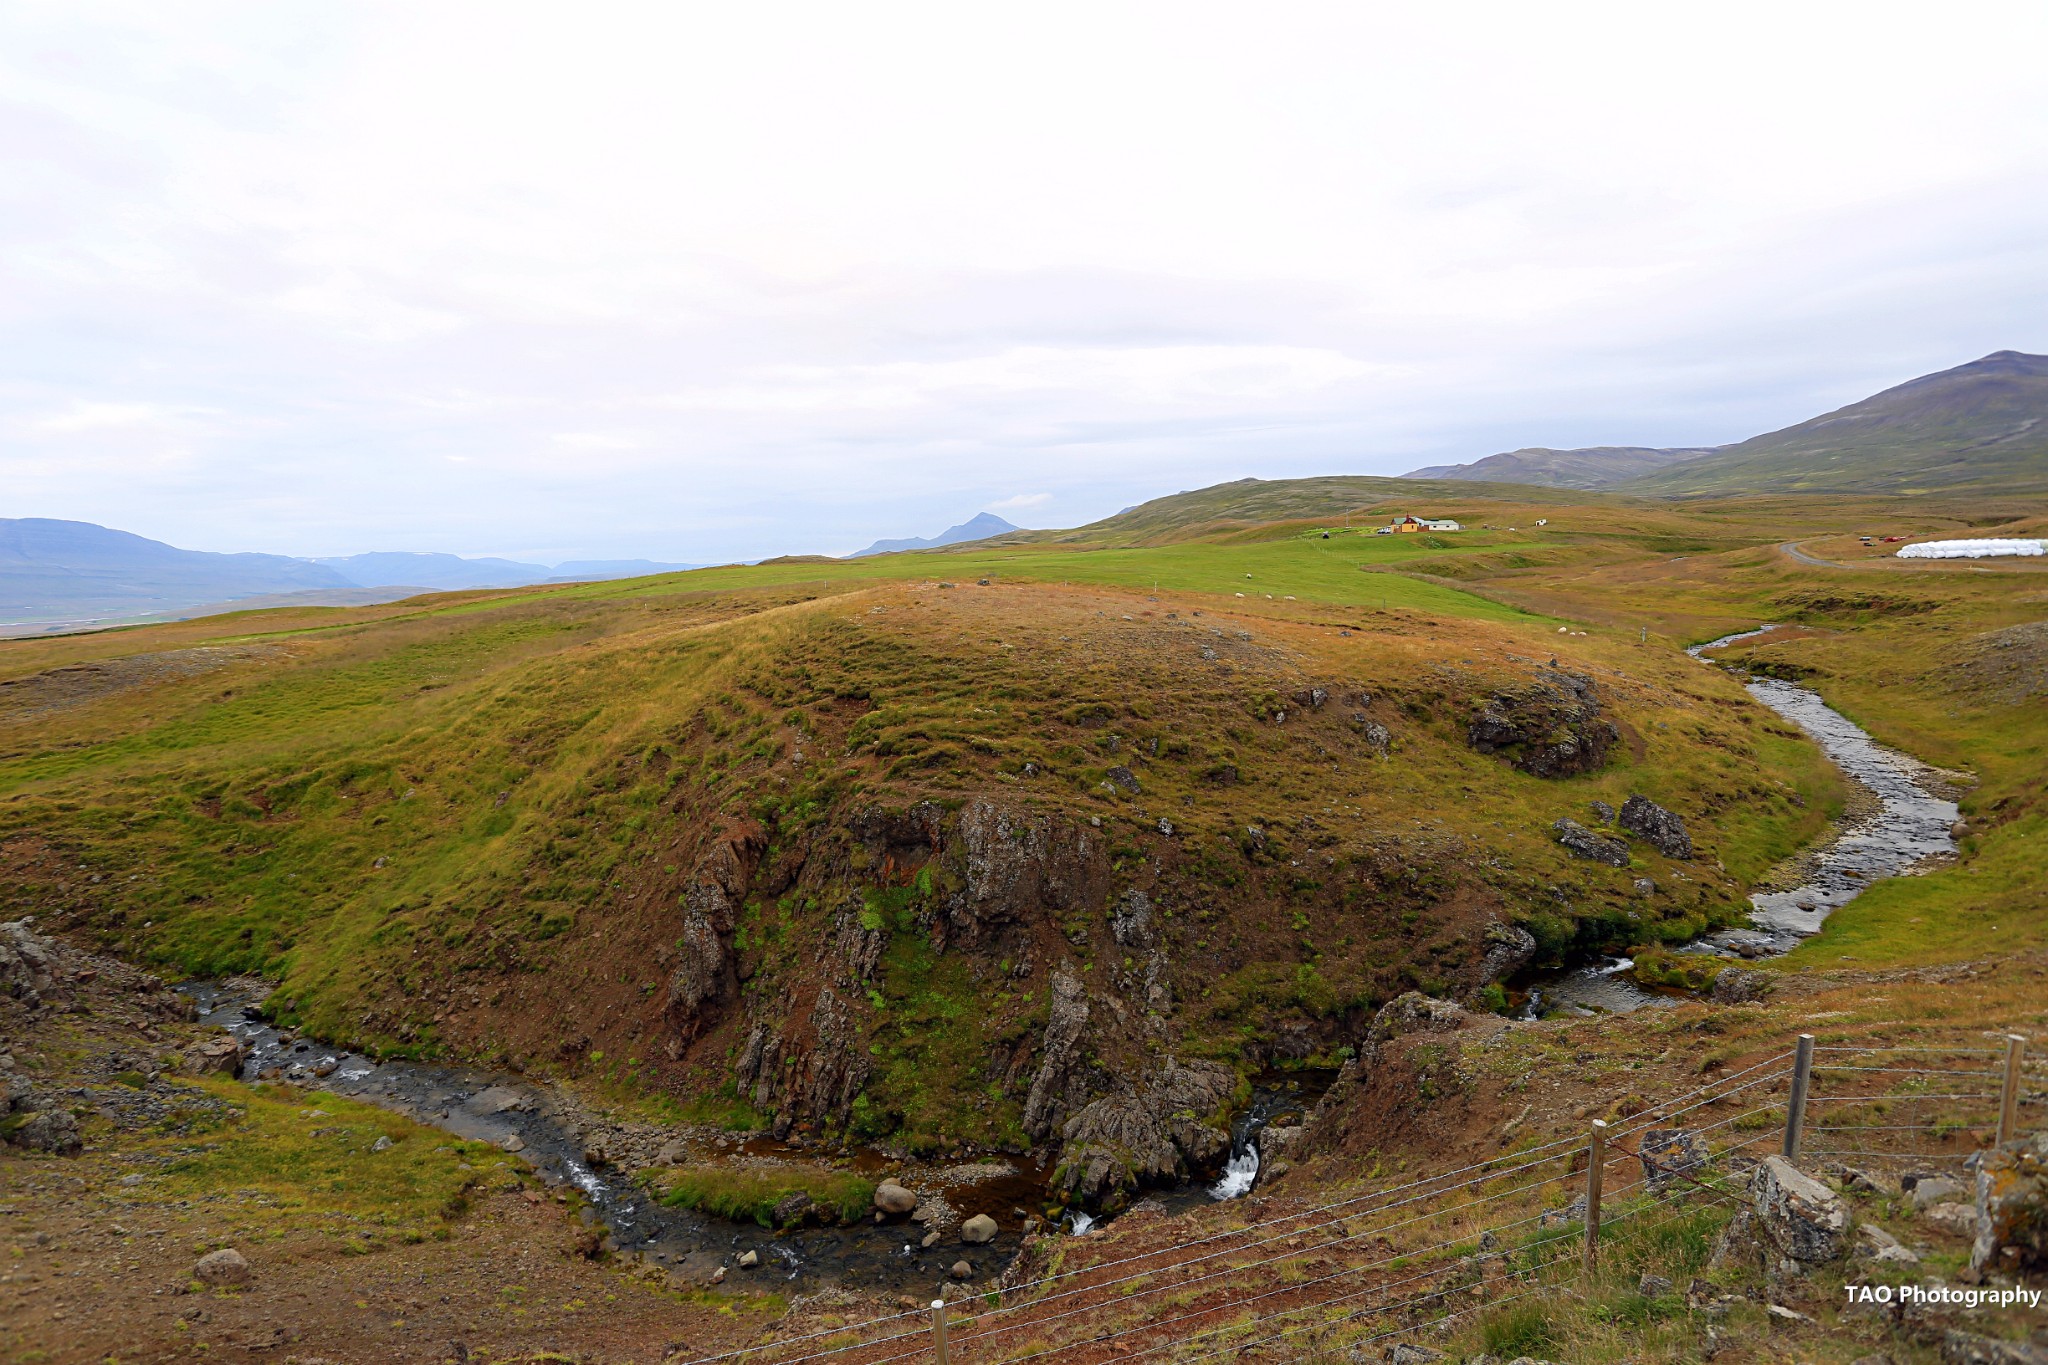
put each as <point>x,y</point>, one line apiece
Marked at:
<point>1795,1107</point>
<point>2009,1093</point>
<point>939,1329</point>
<point>1596,1162</point>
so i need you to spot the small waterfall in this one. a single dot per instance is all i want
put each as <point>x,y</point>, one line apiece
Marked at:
<point>1241,1172</point>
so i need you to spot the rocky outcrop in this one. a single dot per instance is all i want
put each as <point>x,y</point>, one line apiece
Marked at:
<point>1131,923</point>
<point>1552,727</point>
<point>1061,1085</point>
<point>1509,948</point>
<point>809,1075</point>
<point>1657,827</point>
<point>217,1056</point>
<point>1162,1129</point>
<point>703,976</point>
<point>1414,1012</point>
<point>1017,865</point>
<point>2012,1207</point>
<point>1586,844</point>
<point>32,1121</point>
<point>28,965</point>
<point>1802,1220</point>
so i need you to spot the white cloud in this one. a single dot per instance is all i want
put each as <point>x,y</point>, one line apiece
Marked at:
<point>1020,502</point>
<point>710,282</point>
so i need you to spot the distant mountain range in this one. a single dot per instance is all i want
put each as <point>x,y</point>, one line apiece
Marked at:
<point>1591,467</point>
<point>978,528</point>
<point>1979,427</point>
<point>73,572</point>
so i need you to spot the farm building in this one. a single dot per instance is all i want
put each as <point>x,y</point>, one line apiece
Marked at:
<point>1425,524</point>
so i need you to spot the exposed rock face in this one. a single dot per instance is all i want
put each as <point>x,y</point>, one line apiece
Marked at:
<point>1656,826</point>
<point>1018,865</point>
<point>703,976</point>
<point>1155,1131</point>
<point>831,1065</point>
<point>1550,728</point>
<point>1061,1085</point>
<point>1586,844</point>
<point>1131,922</point>
<point>1509,948</point>
<point>1804,1221</point>
<point>2012,1207</point>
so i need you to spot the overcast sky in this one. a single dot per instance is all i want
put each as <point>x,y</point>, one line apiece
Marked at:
<point>703,282</point>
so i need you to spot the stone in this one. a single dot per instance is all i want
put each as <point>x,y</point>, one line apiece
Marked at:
<point>1378,738</point>
<point>1509,948</point>
<point>226,1268</point>
<point>892,1198</point>
<point>497,1099</point>
<point>672,1153</point>
<point>718,1275</point>
<point>1653,1286</point>
<point>1130,922</point>
<point>932,1239</point>
<point>2012,1206</point>
<point>1967,1348</point>
<point>962,1271</point>
<point>1414,1012</point>
<point>978,1229</point>
<point>1927,1192</point>
<point>512,1143</point>
<point>1551,727</point>
<point>1740,986</point>
<point>1672,1158</point>
<point>216,1056</point>
<point>1874,1243</point>
<point>1586,844</point>
<point>1959,1220</point>
<point>1602,812</point>
<point>791,1209</point>
<point>382,1144</point>
<point>1805,1221</point>
<point>1407,1353</point>
<point>1656,826</point>
<point>1123,777</point>
<point>749,1259</point>
<point>48,1130</point>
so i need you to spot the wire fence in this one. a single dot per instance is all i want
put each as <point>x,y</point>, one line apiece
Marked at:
<point>1429,1253</point>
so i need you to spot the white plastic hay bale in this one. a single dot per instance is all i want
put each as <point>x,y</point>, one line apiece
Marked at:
<point>1972,549</point>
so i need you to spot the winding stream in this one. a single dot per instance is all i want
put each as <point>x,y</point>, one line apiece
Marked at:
<point>1910,825</point>
<point>523,1120</point>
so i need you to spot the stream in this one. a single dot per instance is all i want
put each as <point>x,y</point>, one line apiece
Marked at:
<point>1910,824</point>
<point>522,1120</point>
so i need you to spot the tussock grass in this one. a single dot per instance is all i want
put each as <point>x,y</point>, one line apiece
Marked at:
<point>750,1193</point>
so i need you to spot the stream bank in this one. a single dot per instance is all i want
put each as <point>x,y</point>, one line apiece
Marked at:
<point>542,1129</point>
<point>1906,823</point>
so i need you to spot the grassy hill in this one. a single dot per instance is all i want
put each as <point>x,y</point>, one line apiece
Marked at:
<point>866,816</point>
<point>1980,427</point>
